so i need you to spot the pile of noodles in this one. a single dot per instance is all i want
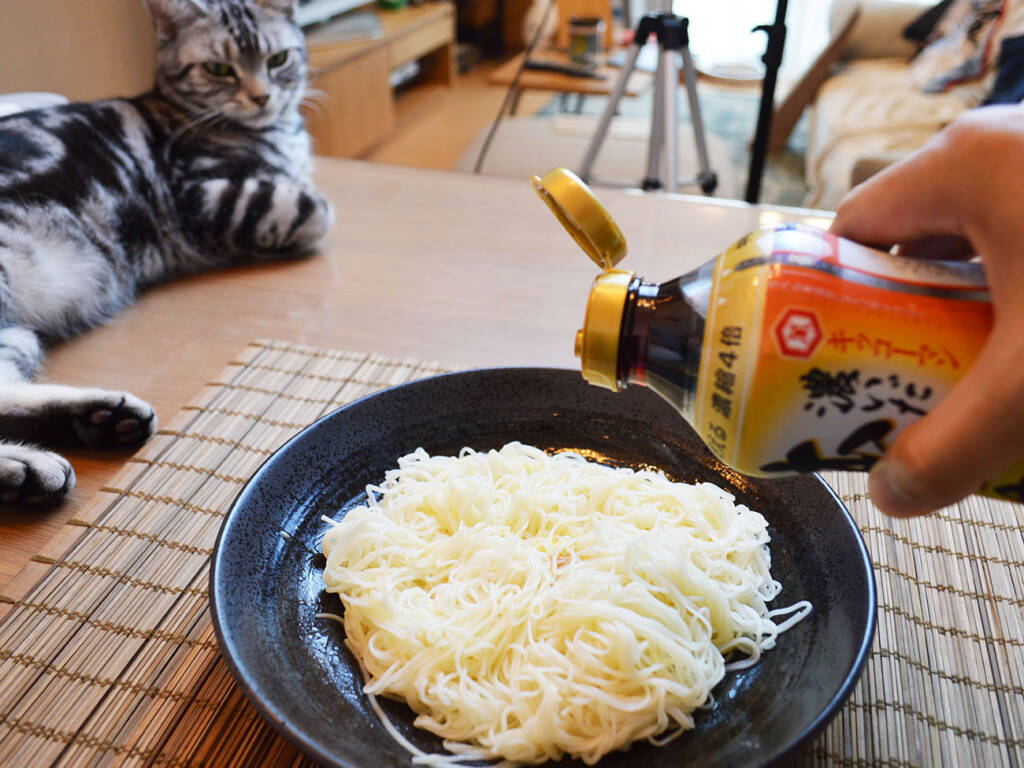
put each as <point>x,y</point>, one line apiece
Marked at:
<point>527,605</point>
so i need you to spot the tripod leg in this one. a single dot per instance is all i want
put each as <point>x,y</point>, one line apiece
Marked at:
<point>707,179</point>
<point>670,83</point>
<point>652,180</point>
<point>609,113</point>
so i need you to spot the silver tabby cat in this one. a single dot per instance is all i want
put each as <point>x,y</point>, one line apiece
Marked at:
<point>100,200</point>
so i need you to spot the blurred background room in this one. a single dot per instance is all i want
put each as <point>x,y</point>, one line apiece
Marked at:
<point>421,82</point>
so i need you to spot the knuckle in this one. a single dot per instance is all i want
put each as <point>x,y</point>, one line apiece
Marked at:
<point>930,476</point>
<point>982,135</point>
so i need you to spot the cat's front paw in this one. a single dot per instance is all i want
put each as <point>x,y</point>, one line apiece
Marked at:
<point>113,419</point>
<point>30,475</point>
<point>300,220</point>
<point>312,230</point>
<point>57,415</point>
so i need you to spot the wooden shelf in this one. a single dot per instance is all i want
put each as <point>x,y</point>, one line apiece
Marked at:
<point>359,111</point>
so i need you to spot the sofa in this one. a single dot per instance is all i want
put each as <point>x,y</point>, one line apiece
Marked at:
<point>875,95</point>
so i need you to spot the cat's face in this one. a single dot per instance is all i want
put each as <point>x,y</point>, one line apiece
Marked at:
<point>240,59</point>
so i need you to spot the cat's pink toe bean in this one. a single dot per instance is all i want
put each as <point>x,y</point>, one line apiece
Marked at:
<point>128,425</point>
<point>101,416</point>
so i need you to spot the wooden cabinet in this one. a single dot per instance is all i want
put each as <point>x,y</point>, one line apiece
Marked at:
<point>356,110</point>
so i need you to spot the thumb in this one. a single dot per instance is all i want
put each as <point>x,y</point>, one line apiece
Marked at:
<point>973,433</point>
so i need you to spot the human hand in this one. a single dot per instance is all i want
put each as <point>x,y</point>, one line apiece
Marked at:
<point>961,194</point>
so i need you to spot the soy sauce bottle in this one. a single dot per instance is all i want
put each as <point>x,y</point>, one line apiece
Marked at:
<point>792,351</point>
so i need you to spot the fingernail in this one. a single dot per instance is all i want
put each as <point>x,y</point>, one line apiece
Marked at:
<point>888,485</point>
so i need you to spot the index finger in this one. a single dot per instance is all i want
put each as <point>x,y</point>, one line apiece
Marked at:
<point>911,200</point>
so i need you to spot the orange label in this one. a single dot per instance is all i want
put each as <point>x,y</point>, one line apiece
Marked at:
<point>817,352</point>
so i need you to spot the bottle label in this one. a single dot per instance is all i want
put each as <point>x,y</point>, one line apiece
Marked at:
<point>817,351</point>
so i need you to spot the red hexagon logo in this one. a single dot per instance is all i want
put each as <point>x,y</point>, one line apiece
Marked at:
<point>798,333</point>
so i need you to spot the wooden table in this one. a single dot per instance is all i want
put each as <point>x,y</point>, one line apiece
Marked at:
<point>108,654</point>
<point>462,269</point>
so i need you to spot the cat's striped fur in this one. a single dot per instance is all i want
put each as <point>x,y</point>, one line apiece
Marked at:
<point>100,200</point>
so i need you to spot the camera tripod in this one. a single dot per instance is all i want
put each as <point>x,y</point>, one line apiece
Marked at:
<point>672,33</point>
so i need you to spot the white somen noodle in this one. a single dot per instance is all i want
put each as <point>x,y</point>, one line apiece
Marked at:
<point>527,606</point>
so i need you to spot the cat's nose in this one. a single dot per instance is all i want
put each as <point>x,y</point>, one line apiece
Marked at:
<point>260,100</point>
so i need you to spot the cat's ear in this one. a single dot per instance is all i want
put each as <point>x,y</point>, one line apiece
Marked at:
<point>285,7</point>
<point>170,16</point>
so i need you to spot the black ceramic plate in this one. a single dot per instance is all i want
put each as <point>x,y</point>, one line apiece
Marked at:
<point>266,581</point>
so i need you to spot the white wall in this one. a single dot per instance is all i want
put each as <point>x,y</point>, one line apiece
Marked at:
<point>721,33</point>
<point>83,49</point>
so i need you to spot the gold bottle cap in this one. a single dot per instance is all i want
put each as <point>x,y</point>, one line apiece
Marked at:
<point>597,343</point>
<point>582,215</point>
<point>594,230</point>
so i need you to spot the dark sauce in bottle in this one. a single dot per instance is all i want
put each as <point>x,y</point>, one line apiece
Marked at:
<point>662,335</point>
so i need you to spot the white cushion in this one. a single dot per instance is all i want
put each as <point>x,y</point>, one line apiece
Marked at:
<point>872,107</point>
<point>12,103</point>
<point>878,32</point>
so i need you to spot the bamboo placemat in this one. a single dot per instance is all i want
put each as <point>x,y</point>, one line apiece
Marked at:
<point>107,652</point>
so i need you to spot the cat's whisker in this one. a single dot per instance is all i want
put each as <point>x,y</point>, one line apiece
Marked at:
<point>205,122</point>
<point>318,107</point>
<point>201,126</point>
<point>213,123</point>
<point>316,100</point>
<point>315,94</point>
<point>189,123</point>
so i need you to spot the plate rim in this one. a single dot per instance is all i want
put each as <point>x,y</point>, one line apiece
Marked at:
<point>300,739</point>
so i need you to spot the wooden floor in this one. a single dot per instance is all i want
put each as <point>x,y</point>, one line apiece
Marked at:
<point>435,124</point>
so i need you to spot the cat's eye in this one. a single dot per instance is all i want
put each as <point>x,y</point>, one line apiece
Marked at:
<point>277,59</point>
<point>219,68</point>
